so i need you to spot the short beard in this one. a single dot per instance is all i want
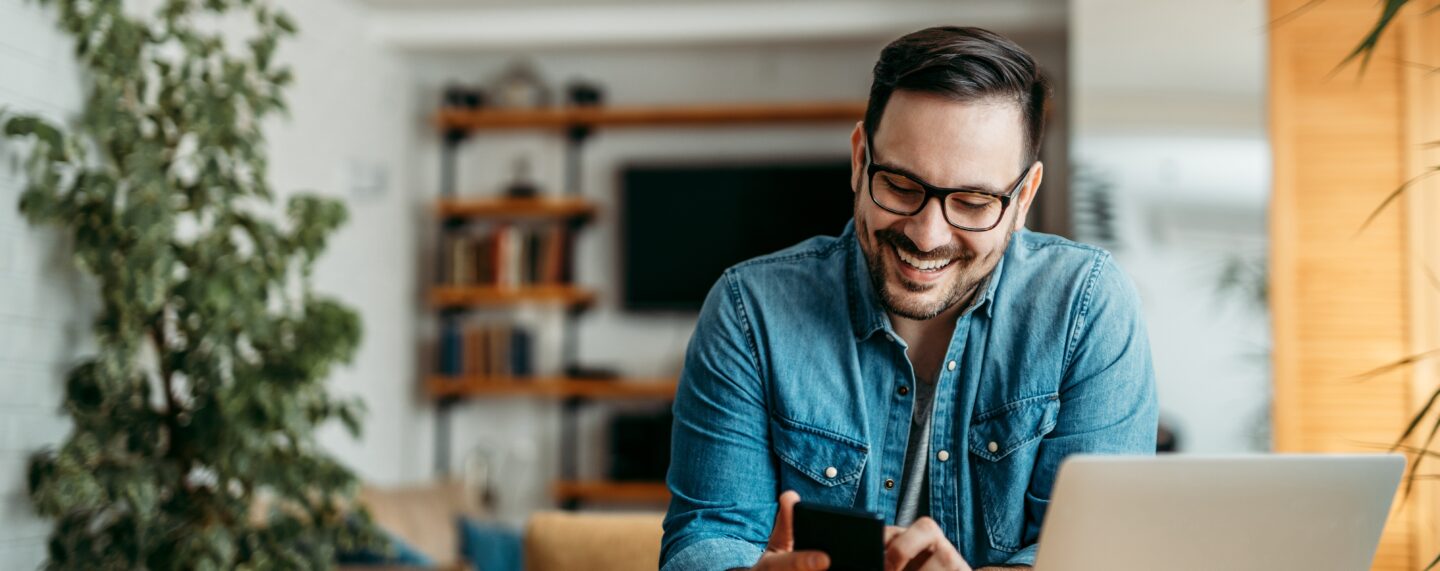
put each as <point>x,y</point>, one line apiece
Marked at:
<point>961,289</point>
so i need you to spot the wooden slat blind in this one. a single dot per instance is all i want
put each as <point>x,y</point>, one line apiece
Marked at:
<point>1341,301</point>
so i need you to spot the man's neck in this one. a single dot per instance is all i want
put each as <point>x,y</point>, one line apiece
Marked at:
<point>929,339</point>
<point>916,331</point>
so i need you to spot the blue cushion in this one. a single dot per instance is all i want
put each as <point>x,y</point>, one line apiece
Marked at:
<point>490,546</point>
<point>397,553</point>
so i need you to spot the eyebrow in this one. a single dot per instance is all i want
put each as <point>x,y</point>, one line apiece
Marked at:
<point>980,188</point>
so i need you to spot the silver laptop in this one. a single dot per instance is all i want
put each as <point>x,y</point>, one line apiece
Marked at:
<point>1182,512</point>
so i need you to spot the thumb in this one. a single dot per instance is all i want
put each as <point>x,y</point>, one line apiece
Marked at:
<point>782,536</point>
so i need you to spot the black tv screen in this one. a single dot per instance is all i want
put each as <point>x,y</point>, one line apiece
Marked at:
<point>684,224</point>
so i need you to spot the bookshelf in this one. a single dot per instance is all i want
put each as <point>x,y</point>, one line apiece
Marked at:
<point>651,116</point>
<point>540,208</point>
<point>575,491</point>
<point>550,387</point>
<point>452,296</point>
<point>499,296</point>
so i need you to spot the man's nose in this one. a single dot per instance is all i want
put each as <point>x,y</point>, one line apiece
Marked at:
<point>928,228</point>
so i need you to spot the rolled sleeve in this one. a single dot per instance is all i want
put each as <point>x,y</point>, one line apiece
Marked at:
<point>709,554</point>
<point>722,473</point>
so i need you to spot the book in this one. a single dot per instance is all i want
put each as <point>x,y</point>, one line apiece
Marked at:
<point>507,255</point>
<point>451,350</point>
<point>520,355</point>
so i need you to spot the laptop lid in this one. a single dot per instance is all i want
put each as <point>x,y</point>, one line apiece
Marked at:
<point>1183,512</point>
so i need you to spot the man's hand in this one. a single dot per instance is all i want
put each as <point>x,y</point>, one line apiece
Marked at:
<point>921,547</point>
<point>779,553</point>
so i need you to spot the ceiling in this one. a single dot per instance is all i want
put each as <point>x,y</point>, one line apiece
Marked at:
<point>450,25</point>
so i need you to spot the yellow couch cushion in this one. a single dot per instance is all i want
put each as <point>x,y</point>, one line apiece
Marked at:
<point>593,541</point>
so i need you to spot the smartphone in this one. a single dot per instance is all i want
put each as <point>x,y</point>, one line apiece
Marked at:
<point>854,540</point>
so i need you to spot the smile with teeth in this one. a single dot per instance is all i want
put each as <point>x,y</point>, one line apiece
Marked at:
<point>923,265</point>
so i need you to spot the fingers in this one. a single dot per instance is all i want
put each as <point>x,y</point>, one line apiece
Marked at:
<point>923,546</point>
<point>793,561</point>
<point>945,560</point>
<point>908,545</point>
<point>782,536</point>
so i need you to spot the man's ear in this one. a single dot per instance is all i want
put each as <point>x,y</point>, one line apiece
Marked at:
<point>1027,194</point>
<point>857,156</point>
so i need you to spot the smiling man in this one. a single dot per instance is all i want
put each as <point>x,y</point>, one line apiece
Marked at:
<point>932,364</point>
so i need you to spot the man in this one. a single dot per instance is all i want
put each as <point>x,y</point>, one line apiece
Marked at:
<point>934,363</point>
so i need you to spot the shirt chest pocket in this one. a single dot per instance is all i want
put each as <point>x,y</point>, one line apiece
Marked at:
<point>820,465</point>
<point>1004,442</point>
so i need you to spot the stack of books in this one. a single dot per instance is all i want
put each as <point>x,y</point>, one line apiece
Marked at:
<point>507,255</point>
<point>495,350</point>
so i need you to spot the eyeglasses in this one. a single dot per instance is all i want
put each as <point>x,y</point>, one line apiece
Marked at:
<point>965,208</point>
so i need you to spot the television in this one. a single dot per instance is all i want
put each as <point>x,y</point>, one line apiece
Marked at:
<point>684,224</point>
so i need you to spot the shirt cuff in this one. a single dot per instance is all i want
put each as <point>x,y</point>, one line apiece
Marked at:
<point>716,553</point>
<point>1024,556</point>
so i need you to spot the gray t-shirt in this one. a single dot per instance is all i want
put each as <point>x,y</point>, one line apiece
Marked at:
<point>915,483</point>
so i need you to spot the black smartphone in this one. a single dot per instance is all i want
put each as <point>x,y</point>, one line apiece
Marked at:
<point>854,540</point>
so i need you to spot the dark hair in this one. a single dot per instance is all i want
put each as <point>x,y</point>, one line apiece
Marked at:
<point>964,64</point>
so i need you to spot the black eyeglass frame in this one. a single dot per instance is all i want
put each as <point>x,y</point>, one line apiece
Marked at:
<point>939,193</point>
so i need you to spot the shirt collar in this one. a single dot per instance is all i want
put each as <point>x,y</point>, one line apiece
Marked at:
<point>866,314</point>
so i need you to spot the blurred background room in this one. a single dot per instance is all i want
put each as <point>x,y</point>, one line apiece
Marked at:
<point>541,192</point>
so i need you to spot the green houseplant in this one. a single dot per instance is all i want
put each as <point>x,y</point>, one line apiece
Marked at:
<point>1364,51</point>
<point>193,423</point>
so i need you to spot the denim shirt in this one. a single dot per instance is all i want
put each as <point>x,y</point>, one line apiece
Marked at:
<point>793,378</point>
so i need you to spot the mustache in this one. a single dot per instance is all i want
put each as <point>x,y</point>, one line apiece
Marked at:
<point>903,242</point>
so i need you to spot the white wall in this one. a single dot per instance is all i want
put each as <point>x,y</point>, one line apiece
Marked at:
<point>486,25</point>
<point>345,137</point>
<point>43,312</point>
<point>1169,108</point>
<point>356,103</point>
<point>640,344</point>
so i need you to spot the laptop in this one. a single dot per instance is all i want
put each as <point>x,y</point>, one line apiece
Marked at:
<point>1238,513</point>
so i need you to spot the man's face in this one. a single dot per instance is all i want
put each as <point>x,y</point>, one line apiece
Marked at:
<point>921,265</point>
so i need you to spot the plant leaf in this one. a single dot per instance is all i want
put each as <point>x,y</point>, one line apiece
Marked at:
<point>1368,44</point>
<point>1432,277</point>
<point>1412,359</point>
<point>1401,447</point>
<point>1394,194</point>
<point>1420,458</point>
<point>1296,13</point>
<point>1414,422</point>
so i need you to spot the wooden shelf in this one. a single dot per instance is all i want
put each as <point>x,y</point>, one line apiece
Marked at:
<point>692,115</point>
<point>551,387</point>
<point>559,208</point>
<point>603,491</point>
<point>489,296</point>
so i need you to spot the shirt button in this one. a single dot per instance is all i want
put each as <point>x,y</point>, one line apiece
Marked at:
<point>889,484</point>
<point>903,390</point>
<point>831,472</point>
<point>992,446</point>
<point>951,366</point>
<point>942,455</point>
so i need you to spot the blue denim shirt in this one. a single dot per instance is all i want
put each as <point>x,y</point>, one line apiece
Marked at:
<point>792,378</point>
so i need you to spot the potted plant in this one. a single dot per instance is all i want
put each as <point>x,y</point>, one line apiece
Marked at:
<point>193,441</point>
